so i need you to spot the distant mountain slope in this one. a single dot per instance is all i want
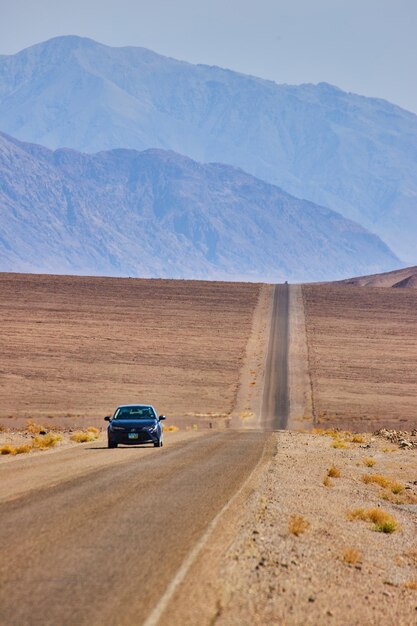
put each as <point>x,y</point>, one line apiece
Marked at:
<point>356,155</point>
<point>404,278</point>
<point>157,213</point>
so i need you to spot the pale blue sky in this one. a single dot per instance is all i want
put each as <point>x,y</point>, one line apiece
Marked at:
<point>365,46</point>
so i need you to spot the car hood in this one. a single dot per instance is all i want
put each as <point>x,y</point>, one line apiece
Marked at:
<point>128,424</point>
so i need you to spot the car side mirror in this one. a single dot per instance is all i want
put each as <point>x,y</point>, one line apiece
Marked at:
<point>107,418</point>
<point>162,417</point>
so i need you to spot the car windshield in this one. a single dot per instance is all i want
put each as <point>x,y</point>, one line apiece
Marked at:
<point>134,413</point>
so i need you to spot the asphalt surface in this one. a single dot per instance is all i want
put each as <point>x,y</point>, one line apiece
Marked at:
<point>99,543</point>
<point>275,402</point>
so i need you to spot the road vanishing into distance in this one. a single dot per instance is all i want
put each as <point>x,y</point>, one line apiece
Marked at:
<point>275,402</point>
<point>96,536</point>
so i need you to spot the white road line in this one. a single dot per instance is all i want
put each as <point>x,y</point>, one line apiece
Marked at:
<point>157,612</point>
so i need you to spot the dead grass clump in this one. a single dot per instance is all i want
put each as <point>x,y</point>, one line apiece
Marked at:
<point>327,482</point>
<point>170,429</point>
<point>357,439</point>
<point>24,448</point>
<point>351,556</point>
<point>339,443</point>
<point>34,428</point>
<point>411,584</point>
<point>412,554</point>
<point>369,461</point>
<point>83,436</point>
<point>333,472</point>
<point>383,522</point>
<point>298,525</point>
<point>377,479</point>
<point>95,431</point>
<point>7,449</point>
<point>392,485</point>
<point>46,441</point>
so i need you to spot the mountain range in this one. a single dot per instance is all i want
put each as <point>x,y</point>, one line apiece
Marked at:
<point>354,154</point>
<point>157,213</point>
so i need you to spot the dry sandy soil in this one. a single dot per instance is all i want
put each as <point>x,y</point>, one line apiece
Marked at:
<point>256,571</point>
<point>75,347</point>
<point>362,345</point>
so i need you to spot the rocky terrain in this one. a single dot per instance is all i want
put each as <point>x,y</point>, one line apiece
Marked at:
<point>353,154</point>
<point>159,214</point>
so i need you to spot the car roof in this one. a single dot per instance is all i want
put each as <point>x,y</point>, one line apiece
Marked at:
<point>121,406</point>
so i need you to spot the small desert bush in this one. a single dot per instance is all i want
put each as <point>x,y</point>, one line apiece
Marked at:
<point>170,429</point>
<point>327,482</point>
<point>369,461</point>
<point>412,584</point>
<point>34,428</point>
<point>46,441</point>
<point>357,439</point>
<point>393,485</point>
<point>339,443</point>
<point>412,554</point>
<point>376,479</point>
<point>333,472</point>
<point>22,449</point>
<point>351,556</point>
<point>83,436</point>
<point>7,449</point>
<point>298,525</point>
<point>383,522</point>
<point>95,431</point>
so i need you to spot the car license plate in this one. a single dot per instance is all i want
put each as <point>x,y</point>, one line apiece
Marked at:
<point>133,436</point>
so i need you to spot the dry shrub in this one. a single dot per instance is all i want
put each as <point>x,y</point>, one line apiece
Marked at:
<point>351,556</point>
<point>298,525</point>
<point>339,443</point>
<point>83,436</point>
<point>393,485</point>
<point>46,441</point>
<point>7,449</point>
<point>377,479</point>
<point>383,522</point>
<point>23,448</point>
<point>170,429</point>
<point>411,584</point>
<point>369,461</point>
<point>357,439</point>
<point>93,430</point>
<point>34,428</point>
<point>333,472</point>
<point>327,482</point>
<point>412,554</point>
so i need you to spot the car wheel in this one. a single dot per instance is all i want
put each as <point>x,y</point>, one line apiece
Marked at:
<point>112,444</point>
<point>158,444</point>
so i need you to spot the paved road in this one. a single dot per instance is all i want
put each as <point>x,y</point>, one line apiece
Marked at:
<point>100,546</point>
<point>275,403</point>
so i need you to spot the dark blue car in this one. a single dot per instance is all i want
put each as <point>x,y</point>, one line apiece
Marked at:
<point>133,424</point>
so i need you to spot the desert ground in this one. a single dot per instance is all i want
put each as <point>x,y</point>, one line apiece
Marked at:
<point>73,348</point>
<point>362,345</point>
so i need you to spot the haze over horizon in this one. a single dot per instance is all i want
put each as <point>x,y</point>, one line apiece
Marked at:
<point>364,47</point>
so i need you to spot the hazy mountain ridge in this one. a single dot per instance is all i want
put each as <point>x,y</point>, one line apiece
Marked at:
<point>357,155</point>
<point>157,213</point>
